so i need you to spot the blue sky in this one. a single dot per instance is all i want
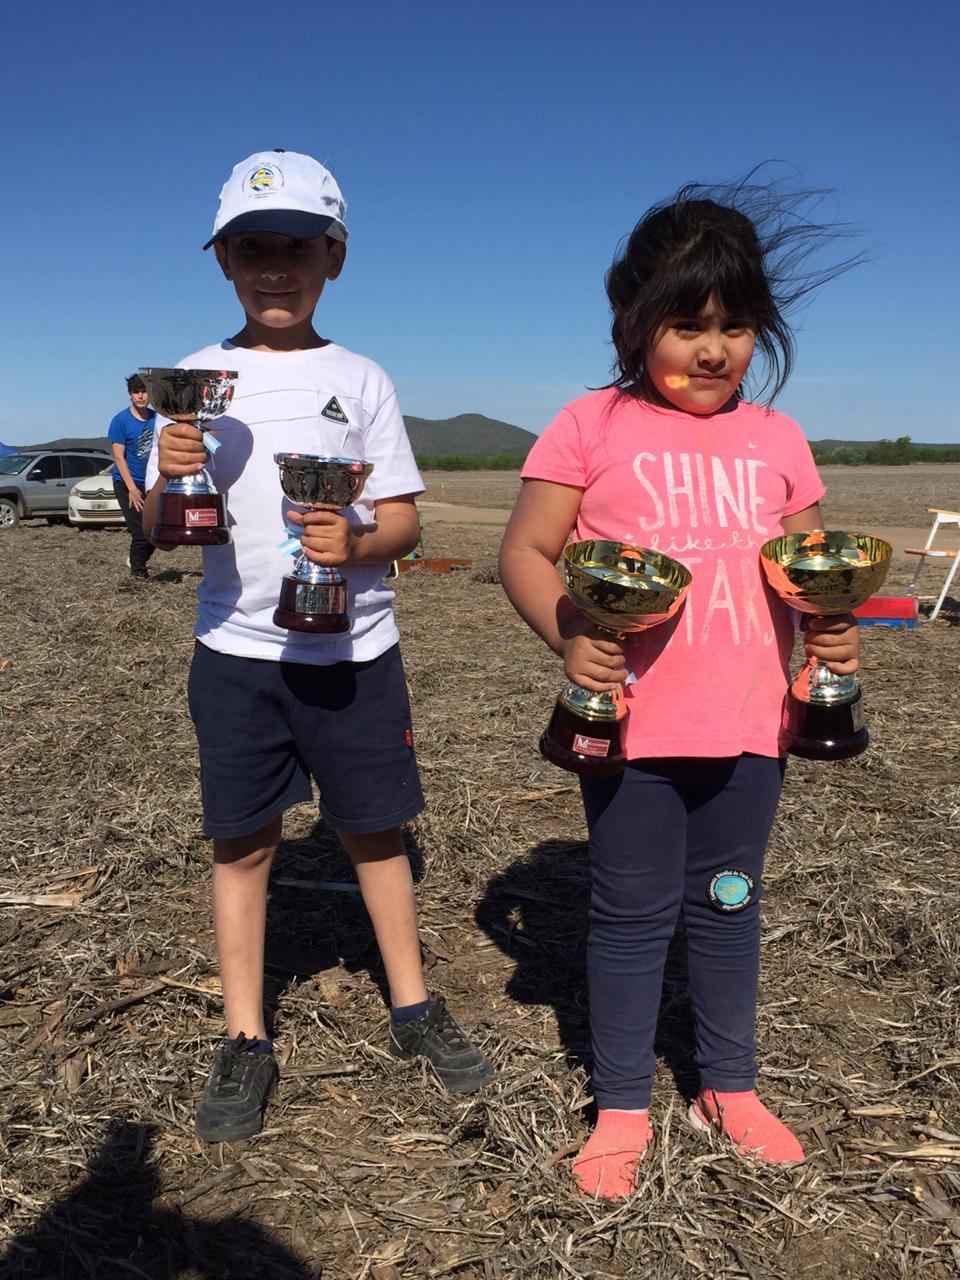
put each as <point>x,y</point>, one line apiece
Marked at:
<point>492,157</point>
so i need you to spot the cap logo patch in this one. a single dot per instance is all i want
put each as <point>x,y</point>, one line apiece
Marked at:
<point>264,180</point>
<point>731,890</point>
<point>333,411</point>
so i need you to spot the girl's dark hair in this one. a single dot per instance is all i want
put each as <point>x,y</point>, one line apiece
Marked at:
<point>747,244</point>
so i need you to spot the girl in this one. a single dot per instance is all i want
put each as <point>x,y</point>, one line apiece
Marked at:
<point>670,456</point>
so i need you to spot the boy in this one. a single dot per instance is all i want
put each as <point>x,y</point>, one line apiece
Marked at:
<point>131,435</point>
<point>271,707</point>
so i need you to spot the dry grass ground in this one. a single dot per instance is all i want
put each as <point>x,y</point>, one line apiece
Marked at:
<point>856,496</point>
<point>366,1169</point>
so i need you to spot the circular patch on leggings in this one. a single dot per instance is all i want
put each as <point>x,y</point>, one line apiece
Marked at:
<point>730,890</point>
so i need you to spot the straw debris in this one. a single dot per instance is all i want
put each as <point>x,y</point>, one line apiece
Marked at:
<point>111,1004</point>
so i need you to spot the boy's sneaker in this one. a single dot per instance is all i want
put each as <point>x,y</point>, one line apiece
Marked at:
<point>236,1092</point>
<point>436,1036</point>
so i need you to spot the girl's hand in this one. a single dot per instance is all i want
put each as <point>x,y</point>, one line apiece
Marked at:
<point>835,642</point>
<point>181,451</point>
<point>593,660</point>
<point>326,536</point>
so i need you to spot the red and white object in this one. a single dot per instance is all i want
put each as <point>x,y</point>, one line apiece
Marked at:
<point>888,611</point>
<point>940,517</point>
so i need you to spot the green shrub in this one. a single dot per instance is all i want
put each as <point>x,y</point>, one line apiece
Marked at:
<point>471,462</point>
<point>843,455</point>
<point>886,453</point>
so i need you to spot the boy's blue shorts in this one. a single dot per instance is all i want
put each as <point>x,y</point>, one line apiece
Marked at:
<point>264,728</point>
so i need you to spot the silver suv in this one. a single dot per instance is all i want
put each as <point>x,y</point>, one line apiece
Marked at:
<point>38,482</point>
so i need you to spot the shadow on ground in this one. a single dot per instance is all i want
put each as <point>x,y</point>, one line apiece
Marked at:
<point>536,913</point>
<point>109,1227</point>
<point>316,920</point>
<point>174,575</point>
<point>949,612</point>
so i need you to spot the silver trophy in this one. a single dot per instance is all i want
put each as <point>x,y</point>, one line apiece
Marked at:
<point>190,511</point>
<point>312,596</point>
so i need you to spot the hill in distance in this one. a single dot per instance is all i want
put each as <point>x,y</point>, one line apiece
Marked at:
<point>71,442</point>
<point>870,444</point>
<point>468,433</point>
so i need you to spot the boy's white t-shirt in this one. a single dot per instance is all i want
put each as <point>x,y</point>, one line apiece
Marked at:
<point>278,406</point>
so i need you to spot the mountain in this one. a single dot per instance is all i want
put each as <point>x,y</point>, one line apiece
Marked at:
<point>469,433</point>
<point>72,442</point>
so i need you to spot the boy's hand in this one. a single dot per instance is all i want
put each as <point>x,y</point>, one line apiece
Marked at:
<point>594,660</point>
<point>180,450</point>
<point>135,498</point>
<point>326,536</point>
<point>835,642</point>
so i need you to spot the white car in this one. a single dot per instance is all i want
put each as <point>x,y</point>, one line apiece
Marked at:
<point>93,502</point>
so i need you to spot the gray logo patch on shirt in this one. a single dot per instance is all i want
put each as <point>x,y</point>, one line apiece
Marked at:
<point>334,411</point>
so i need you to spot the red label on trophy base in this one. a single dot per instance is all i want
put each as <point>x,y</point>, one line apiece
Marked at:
<point>195,517</point>
<point>591,746</point>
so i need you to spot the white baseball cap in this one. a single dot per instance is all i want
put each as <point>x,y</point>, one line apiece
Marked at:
<point>281,192</point>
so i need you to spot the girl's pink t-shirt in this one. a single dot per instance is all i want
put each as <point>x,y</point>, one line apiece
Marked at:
<point>707,491</point>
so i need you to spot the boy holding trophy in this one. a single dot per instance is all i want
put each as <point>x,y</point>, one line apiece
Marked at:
<point>274,706</point>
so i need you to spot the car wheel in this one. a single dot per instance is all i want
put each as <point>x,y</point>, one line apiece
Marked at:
<point>9,514</point>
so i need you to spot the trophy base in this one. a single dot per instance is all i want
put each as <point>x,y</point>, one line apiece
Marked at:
<point>818,731</point>
<point>590,748</point>
<point>289,620</point>
<point>190,520</point>
<point>308,606</point>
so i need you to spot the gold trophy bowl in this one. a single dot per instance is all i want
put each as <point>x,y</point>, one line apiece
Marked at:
<point>824,573</point>
<point>622,589</point>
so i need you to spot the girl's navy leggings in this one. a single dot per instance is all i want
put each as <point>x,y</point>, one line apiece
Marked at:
<point>672,838</point>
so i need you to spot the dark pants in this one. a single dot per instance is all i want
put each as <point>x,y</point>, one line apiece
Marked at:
<point>140,548</point>
<point>265,728</point>
<point>661,834</point>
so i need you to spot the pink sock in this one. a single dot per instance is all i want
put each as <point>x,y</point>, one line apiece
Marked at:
<point>744,1119</point>
<point>606,1167</point>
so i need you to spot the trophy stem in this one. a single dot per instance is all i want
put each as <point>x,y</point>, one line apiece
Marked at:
<point>305,570</point>
<point>199,482</point>
<point>815,682</point>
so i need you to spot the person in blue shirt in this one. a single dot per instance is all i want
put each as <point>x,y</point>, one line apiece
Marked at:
<point>131,438</point>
